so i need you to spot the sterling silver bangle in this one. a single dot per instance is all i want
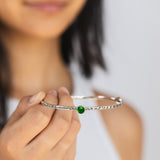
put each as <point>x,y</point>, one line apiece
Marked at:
<point>81,109</point>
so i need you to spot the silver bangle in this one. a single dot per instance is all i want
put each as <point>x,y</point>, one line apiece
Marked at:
<point>81,109</point>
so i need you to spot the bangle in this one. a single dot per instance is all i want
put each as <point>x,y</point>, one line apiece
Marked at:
<point>81,109</point>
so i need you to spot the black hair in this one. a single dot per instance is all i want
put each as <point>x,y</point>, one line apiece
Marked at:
<point>86,31</point>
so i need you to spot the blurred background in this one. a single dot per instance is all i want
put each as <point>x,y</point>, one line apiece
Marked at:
<point>132,52</point>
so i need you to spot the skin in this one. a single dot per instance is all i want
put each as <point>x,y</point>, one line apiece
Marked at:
<point>32,40</point>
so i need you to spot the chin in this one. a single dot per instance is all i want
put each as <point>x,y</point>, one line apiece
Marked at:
<point>42,28</point>
<point>44,33</point>
<point>50,27</point>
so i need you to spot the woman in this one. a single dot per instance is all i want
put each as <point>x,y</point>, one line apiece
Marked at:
<point>36,49</point>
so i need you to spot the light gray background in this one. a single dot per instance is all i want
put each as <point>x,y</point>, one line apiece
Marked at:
<point>132,51</point>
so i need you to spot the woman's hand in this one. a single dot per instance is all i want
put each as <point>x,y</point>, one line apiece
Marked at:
<point>36,132</point>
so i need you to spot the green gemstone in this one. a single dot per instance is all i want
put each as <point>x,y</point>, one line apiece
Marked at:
<point>80,109</point>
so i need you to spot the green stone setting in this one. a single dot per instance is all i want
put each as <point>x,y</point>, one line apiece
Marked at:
<point>80,109</point>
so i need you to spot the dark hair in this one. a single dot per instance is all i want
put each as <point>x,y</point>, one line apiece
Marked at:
<point>86,31</point>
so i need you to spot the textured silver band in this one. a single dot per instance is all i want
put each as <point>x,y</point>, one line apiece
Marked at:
<point>118,101</point>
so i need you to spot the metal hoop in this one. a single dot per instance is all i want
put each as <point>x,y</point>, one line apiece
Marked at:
<point>80,109</point>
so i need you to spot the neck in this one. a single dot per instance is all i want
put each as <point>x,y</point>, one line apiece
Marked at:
<point>36,64</point>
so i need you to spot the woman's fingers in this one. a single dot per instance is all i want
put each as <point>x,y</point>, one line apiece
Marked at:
<point>56,129</point>
<point>24,104</point>
<point>51,98</point>
<point>62,147</point>
<point>29,125</point>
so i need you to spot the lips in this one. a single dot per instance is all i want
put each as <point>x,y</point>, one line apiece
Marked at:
<point>49,6</point>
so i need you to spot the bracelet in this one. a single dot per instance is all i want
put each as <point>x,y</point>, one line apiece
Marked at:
<point>81,109</point>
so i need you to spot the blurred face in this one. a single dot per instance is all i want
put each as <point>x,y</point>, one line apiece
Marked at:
<point>42,18</point>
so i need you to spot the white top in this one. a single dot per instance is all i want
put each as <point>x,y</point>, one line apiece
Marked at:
<point>93,140</point>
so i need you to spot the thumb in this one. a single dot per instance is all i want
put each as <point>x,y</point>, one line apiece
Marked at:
<point>24,104</point>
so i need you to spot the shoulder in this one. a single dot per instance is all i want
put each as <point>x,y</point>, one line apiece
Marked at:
<point>125,127</point>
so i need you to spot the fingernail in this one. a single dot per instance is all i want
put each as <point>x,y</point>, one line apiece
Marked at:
<point>64,89</point>
<point>34,97</point>
<point>53,92</point>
